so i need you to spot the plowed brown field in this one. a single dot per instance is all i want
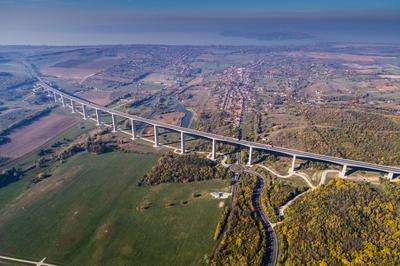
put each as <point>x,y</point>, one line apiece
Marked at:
<point>32,136</point>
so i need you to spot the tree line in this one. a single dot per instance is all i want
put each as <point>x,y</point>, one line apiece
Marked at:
<point>9,176</point>
<point>172,168</point>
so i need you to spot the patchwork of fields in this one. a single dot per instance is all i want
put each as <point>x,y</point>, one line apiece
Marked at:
<point>34,135</point>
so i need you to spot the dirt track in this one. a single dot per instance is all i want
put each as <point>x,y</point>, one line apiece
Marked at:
<point>32,136</point>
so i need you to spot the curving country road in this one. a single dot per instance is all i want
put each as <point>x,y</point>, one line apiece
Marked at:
<point>303,176</point>
<point>271,253</point>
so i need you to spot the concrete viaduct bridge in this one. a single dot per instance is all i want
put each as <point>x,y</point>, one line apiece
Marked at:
<point>84,105</point>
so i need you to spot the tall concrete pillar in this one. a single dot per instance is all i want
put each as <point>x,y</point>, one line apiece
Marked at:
<point>114,123</point>
<point>390,175</point>
<point>291,170</point>
<point>84,111</point>
<point>73,106</point>
<point>55,97</point>
<point>344,170</point>
<point>63,100</point>
<point>155,136</point>
<point>213,151</point>
<point>98,117</point>
<point>250,156</point>
<point>182,142</point>
<point>133,130</point>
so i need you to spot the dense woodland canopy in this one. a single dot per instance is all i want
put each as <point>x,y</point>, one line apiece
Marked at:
<point>375,147</point>
<point>276,193</point>
<point>351,134</point>
<point>176,168</point>
<point>244,241</point>
<point>350,119</point>
<point>343,223</point>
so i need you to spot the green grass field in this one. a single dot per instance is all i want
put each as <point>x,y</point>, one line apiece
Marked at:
<point>90,212</point>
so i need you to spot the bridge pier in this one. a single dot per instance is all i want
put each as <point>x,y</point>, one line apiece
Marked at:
<point>114,123</point>
<point>155,132</point>
<point>249,163</point>
<point>84,111</point>
<point>133,128</point>
<point>390,175</point>
<point>98,117</point>
<point>213,150</point>
<point>73,107</point>
<point>54,93</point>
<point>343,172</point>
<point>291,170</point>
<point>182,143</point>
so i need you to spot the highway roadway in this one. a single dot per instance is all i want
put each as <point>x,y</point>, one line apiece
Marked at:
<point>271,253</point>
<point>391,170</point>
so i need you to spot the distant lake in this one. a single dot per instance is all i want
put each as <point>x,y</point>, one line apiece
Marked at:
<point>210,33</point>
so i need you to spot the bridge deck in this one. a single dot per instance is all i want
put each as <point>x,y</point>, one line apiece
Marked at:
<point>260,146</point>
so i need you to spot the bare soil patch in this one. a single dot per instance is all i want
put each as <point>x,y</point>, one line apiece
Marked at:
<point>173,118</point>
<point>99,97</point>
<point>30,137</point>
<point>79,74</point>
<point>196,81</point>
<point>390,76</point>
<point>339,56</point>
<point>160,78</point>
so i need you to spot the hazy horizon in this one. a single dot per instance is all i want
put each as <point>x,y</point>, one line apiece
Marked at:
<point>89,22</point>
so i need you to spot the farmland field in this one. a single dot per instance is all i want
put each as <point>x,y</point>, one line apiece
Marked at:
<point>90,211</point>
<point>29,137</point>
<point>100,97</point>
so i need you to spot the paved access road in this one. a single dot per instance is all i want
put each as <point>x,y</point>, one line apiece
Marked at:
<point>271,253</point>
<point>37,263</point>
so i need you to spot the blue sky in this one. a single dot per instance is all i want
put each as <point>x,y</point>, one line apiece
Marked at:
<point>50,21</point>
<point>286,8</point>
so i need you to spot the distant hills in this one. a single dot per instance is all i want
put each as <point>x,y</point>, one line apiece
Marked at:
<point>268,36</point>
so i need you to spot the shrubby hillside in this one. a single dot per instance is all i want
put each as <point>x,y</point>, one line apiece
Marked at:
<point>343,223</point>
<point>350,119</point>
<point>351,134</point>
<point>172,168</point>
<point>276,193</point>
